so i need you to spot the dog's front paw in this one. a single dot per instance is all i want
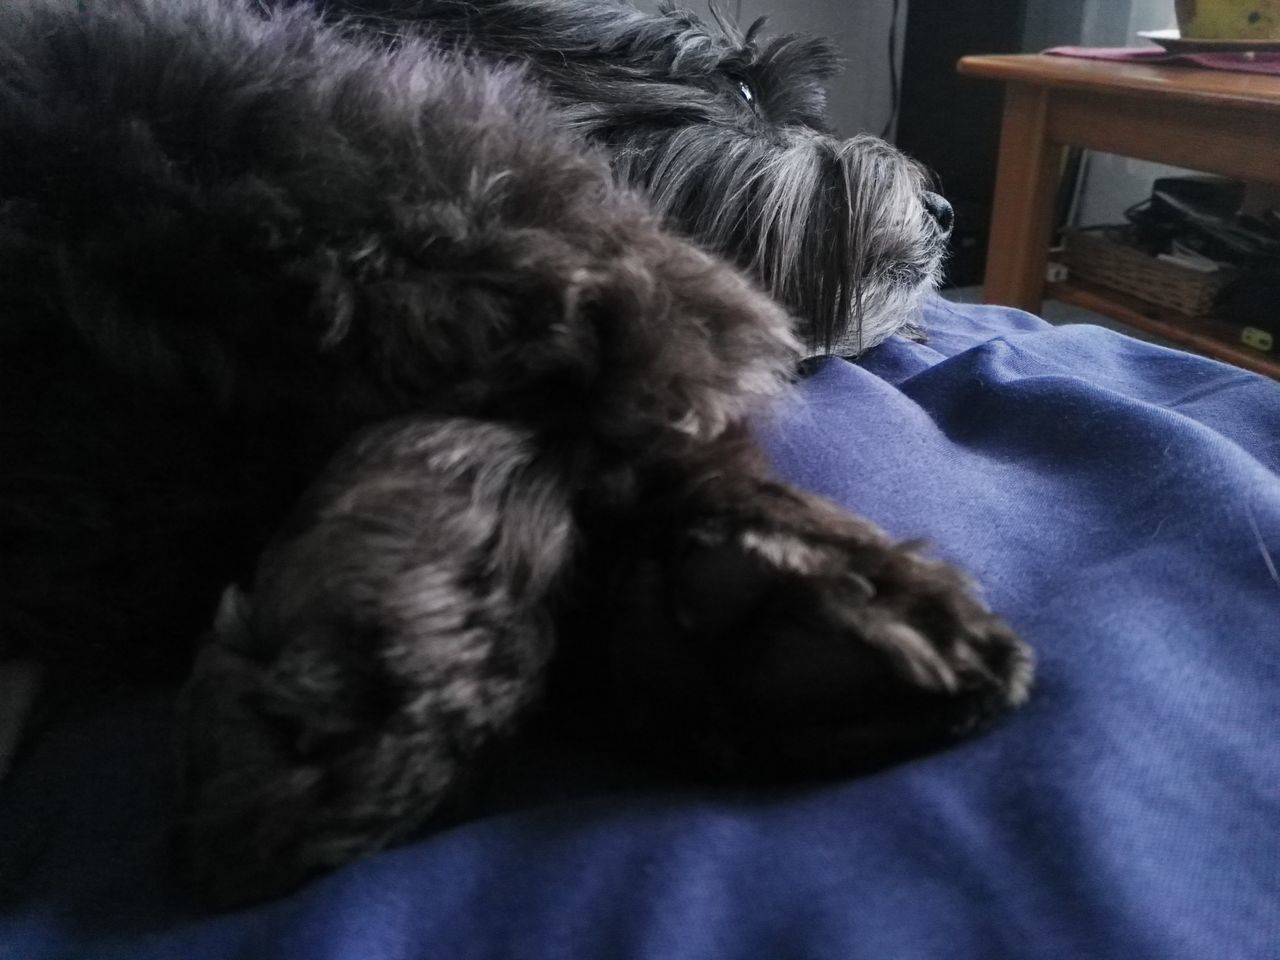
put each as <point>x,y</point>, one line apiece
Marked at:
<point>802,641</point>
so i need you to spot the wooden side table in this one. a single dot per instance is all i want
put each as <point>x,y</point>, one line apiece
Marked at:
<point>1224,123</point>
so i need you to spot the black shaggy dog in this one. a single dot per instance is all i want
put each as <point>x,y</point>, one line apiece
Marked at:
<point>359,317</point>
<point>728,137</point>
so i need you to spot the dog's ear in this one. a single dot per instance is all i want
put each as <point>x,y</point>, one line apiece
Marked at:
<point>790,75</point>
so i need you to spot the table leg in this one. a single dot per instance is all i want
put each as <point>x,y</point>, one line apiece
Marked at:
<point>1026,187</point>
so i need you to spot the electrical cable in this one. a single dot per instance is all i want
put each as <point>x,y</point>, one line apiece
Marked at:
<point>895,93</point>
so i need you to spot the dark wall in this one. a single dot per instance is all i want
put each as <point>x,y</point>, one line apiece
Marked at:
<point>1055,23</point>
<point>952,123</point>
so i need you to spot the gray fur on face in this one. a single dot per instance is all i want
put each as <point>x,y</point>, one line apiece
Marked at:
<point>726,132</point>
<point>836,229</point>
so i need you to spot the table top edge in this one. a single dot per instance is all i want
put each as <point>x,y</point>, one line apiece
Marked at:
<point>1158,81</point>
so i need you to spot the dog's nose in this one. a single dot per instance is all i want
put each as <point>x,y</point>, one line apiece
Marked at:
<point>940,210</point>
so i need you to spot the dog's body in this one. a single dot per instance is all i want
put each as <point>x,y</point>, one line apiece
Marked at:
<point>371,329</point>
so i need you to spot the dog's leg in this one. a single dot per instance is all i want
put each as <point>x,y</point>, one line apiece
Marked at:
<point>398,626</point>
<point>763,632</point>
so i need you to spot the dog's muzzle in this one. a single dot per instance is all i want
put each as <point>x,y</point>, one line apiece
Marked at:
<point>940,210</point>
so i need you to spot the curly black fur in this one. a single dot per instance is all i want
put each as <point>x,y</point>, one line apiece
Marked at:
<point>369,329</point>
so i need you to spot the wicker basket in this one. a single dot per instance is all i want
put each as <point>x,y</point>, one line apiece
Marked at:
<point>1099,255</point>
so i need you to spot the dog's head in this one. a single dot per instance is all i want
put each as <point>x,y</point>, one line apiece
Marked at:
<point>727,134</point>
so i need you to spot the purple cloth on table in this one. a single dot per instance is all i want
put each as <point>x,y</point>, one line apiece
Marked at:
<point>1121,504</point>
<point>1241,62</point>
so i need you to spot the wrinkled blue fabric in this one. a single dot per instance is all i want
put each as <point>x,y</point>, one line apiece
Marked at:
<point>1120,505</point>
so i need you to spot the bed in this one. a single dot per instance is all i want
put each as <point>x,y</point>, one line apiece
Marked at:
<point>1121,505</point>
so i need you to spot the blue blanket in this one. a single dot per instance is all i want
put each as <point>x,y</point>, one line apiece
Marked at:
<point>1120,503</point>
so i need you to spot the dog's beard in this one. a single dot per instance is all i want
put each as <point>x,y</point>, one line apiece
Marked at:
<point>835,229</point>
